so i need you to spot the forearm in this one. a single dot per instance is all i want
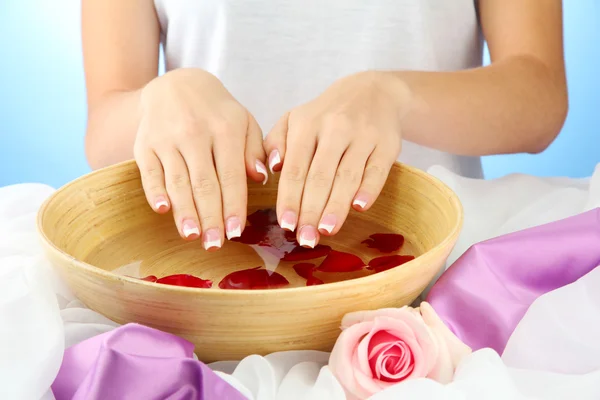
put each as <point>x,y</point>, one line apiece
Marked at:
<point>512,106</point>
<point>112,126</point>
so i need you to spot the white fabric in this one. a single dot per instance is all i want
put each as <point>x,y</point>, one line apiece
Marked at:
<point>553,354</point>
<point>276,55</point>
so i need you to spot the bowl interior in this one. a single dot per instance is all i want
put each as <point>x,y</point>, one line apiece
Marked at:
<point>103,220</point>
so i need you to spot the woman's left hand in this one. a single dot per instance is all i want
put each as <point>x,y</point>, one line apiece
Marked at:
<point>336,152</point>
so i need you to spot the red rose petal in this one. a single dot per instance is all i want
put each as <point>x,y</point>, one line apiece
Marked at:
<point>276,237</point>
<point>290,236</point>
<point>385,242</point>
<point>185,280</point>
<point>305,270</point>
<point>384,263</point>
<point>333,277</point>
<point>263,218</point>
<point>338,261</point>
<point>303,253</point>
<point>253,278</point>
<point>265,232</point>
<point>312,281</point>
<point>252,235</point>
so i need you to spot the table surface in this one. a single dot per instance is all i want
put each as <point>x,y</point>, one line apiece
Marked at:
<point>553,354</point>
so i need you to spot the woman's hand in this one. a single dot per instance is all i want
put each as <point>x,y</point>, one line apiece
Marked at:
<point>194,147</point>
<point>336,152</point>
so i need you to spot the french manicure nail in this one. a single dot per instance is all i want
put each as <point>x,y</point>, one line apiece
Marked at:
<point>233,228</point>
<point>274,160</point>
<point>261,169</point>
<point>161,204</point>
<point>360,201</point>
<point>308,236</point>
<point>190,229</point>
<point>288,221</point>
<point>328,223</point>
<point>212,239</point>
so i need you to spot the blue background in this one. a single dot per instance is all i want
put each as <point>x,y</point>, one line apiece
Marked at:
<point>43,112</point>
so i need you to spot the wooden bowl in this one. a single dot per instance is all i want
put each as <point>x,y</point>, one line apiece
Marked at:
<point>98,229</point>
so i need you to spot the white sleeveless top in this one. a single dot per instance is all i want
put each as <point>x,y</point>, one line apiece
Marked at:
<point>274,55</point>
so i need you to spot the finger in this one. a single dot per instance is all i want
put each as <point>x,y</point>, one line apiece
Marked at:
<point>347,180</point>
<point>229,161</point>
<point>376,172</point>
<point>255,153</point>
<point>153,180</point>
<point>275,143</point>
<point>179,190</point>
<point>206,192</point>
<point>301,147</point>
<point>317,188</point>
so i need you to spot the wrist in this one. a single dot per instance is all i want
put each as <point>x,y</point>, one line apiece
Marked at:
<point>398,90</point>
<point>186,73</point>
<point>395,90</point>
<point>182,78</point>
<point>179,82</point>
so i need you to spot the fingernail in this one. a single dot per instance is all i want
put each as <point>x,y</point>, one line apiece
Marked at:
<point>233,228</point>
<point>261,169</point>
<point>190,229</point>
<point>212,239</point>
<point>274,160</point>
<point>360,201</point>
<point>161,204</point>
<point>288,221</point>
<point>308,236</point>
<point>327,223</point>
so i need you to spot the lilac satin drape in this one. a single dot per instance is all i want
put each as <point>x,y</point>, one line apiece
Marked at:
<point>486,292</point>
<point>137,362</point>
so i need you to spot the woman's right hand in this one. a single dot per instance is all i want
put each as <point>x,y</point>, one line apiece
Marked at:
<point>194,148</point>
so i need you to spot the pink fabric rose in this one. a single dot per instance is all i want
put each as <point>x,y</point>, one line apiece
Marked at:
<point>380,348</point>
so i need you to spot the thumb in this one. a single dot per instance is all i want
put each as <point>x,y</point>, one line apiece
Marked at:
<point>255,153</point>
<point>275,143</point>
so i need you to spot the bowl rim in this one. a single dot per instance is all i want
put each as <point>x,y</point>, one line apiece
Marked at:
<point>109,275</point>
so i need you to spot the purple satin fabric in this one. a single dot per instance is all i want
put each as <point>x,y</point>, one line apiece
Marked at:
<point>137,362</point>
<point>486,292</point>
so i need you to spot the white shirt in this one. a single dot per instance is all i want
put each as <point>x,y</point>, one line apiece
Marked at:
<point>275,55</point>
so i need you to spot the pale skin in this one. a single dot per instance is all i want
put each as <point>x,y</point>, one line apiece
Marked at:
<point>195,144</point>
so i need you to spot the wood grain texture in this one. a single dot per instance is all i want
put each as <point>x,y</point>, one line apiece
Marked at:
<point>100,221</point>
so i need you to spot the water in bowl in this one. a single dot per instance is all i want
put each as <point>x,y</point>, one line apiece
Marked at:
<point>264,257</point>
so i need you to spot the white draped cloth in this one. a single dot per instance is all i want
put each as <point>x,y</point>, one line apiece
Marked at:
<point>554,352</point>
